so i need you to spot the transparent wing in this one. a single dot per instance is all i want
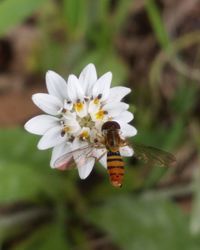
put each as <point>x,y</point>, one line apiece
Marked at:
<point>126,151</point>
<point>153,155</point>
<point>69,160</point>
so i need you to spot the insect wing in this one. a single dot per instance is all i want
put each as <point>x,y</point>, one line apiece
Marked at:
<point>126,151</point>
<point>153,155</point>
<point>68,160</point>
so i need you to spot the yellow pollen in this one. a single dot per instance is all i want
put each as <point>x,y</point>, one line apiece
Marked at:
<point>78,106</point>
<point>66,129</point>
<point>100,114</point>
<point>84,135</point>
<point>96,101</point>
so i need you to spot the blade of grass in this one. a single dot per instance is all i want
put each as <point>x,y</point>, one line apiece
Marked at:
<point>157,24</point>
<point>13,12</point>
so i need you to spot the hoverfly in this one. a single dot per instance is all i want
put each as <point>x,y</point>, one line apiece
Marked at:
<point>111,144</point>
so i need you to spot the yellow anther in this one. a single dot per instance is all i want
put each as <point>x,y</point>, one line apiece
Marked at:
<point>78,107</point>
<point>84,135</point>
<point>100,114</point>
<point>65,130</point>
<point>96,101</point>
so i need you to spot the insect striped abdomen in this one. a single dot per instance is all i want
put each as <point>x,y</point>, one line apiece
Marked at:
<point>115,167</point>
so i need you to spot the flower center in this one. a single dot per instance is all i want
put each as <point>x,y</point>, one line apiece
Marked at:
<point>86,122</point>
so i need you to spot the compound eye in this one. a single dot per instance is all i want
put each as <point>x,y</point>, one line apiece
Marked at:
<point>110,125</point>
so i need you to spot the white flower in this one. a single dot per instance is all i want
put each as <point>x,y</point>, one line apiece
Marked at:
<point>75,112</point>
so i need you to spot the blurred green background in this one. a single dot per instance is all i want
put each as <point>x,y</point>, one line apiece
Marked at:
<point>150,46</point>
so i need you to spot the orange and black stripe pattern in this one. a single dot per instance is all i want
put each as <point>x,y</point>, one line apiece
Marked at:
<point>115,167</point>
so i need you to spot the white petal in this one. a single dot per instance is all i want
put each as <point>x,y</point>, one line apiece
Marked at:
<point>59,151</point>
<point>87,78</point>
<point>40,124</point>
<point>126,151</point>
<point>82,110</point>
<point>124,117</point>
<point>83,158</point>
<point>98,125</point>
<point>117,93</point>
<point>75,91</point>
<point>73,125</point>
<point>56,85</point>
<point>101,156</point>
<point>85,166</point>
<point>115,109</point>
<point>68,105</point>
<point>103,161</point>
<point>93,107</point>
<point>48,103</point>
<point>128,130</point>
<point>102,86</point>
<point>79,144</point>
<point>51,138</point>
<point>69,115</point>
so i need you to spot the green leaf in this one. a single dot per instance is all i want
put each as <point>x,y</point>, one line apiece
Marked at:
<point>123,8</point>
<point>25,171</point>
<point>12,12</point>
<point>150,224</point>
<point>75,15</point>
<point>50,237</point>
<point>115,65</point>
<point>185,98</point>
<point>106,60</point>
<point>195,216</point>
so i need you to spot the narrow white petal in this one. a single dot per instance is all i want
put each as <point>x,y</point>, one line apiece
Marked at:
<point>59,151</point>
<point>40,124</point>
<point>125,117</point>
<point>101,156</point>
<point>117,93</point>
<point>103,161</point>
<point>102,86</point>
<point>69,115</point>
<point>93,107</point>
<point>98,125</point>
<point>68,105</point>
<point>56,85</point>
<point>85,166</point>
<point>81,109</point>
<point>79,144</point>
<point>126,151</point>
<point>115,109</point>
<point>51,138</point>
<point>73,125</point>
<point>83,157</point>
<point>87,78</point>
<point>48,103</point>
<point>75,91</point>
<point>128,130</point>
